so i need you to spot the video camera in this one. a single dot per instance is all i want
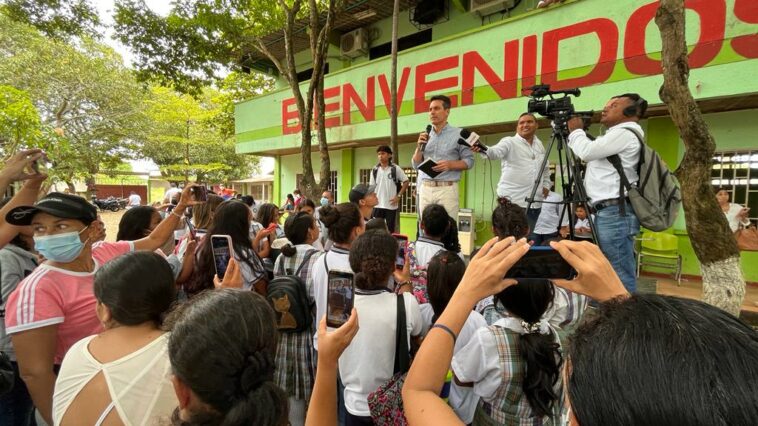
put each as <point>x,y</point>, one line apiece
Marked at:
<point>560,110</point>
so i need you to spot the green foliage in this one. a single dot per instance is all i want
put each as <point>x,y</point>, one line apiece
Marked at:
<point>19,120</point>
<point>185,139</point>
<point>84,90</point>
<point>60,19</point>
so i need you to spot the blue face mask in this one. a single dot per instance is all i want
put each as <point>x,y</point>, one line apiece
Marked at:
<point>324,201</point>
<point>61,248</point>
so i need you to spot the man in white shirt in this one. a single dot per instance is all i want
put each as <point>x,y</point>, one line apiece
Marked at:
<point>521,156</point>
<point>387,176</point>
<point>134,200</point>
<point>615,222</point>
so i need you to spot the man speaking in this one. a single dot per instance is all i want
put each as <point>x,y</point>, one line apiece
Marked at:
<point>440,144</point>
<point>521,156</point>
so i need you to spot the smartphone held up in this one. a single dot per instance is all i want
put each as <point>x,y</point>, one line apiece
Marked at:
<point>541,262</point>
<point>340,296</point>
<point>222,253</point>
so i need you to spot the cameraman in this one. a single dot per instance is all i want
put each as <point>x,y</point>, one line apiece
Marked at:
<point>615,227</point>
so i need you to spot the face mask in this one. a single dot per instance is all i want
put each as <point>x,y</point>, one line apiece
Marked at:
<point>324,201</point>
<point>61,248</point>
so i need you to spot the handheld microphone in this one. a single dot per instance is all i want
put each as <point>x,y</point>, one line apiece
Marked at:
<point>428,129</point>
<point>470,139</point>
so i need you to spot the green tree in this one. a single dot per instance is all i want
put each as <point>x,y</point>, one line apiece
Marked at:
<point>60,19</point>
<point>85,90</point>
<point>708,229</point>
<point>200,37</point>
<point>185,138</point>
<point>19,120</point>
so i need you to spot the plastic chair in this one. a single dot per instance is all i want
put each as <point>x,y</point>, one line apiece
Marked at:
<point>664,249</point>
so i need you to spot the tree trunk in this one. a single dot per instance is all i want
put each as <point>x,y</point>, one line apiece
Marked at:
<point>708,229</point>
<point>393,85</point>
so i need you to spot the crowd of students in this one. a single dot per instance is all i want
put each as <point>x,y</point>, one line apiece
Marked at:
<point>143,331</point>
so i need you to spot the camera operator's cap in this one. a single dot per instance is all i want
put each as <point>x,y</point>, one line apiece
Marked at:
<point>57,204</point>
<point>384,148</point>
<point>360,192</point>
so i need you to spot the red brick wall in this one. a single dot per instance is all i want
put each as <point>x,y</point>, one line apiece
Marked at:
<point>121,191</point>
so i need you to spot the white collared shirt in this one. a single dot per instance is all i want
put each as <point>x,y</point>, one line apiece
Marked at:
<point>601,180</point>
<point>386,189</point>
<point>519,169</point>
<point>550,215</point>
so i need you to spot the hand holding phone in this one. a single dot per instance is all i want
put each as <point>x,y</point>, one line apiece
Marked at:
<point>222,253</point>
<point>402,246</point>
<point>340,296</point>
<point>199,193</point>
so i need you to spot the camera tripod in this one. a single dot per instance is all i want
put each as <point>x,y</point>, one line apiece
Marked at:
<point>572,181</point>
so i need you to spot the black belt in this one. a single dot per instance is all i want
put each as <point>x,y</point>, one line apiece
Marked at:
<point>607,203</point>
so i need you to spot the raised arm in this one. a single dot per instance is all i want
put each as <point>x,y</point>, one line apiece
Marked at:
<point>165,229</point>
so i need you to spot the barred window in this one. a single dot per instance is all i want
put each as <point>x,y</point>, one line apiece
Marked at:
<point>737,172</point>
<point>407,200</point>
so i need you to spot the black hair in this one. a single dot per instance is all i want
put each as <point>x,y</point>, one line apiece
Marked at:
<point>296,229</point>
<point>266,214</point>
<point>509,220</point>
<point>443,274</point>
<point>340,219</point>
<point>290,197</point>
<point>231,218</point>
<point>445,100</point>
<point>137,287</point>
<point>528,300</point>
<point>372,258</point>
<point>306,202</point>
<point>450,238</point>
<point>135,223</point>
<point>435,220</point>
<point>639,105</point>
<point>248,200</point>
<point>638,352</point>
<point>377,224</point>
<point>223,346</point>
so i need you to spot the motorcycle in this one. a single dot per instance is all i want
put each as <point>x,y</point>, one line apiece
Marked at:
<point>111,203</point>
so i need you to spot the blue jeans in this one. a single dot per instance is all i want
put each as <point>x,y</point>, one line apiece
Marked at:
<point>16,406</point>
<point>616,234</point>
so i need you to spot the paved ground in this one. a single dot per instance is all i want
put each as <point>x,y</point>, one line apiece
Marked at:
<point>111,220</point>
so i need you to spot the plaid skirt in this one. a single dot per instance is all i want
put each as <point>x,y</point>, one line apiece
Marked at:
<point>296,364</point>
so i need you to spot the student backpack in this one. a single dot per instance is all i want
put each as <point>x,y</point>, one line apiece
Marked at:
<point>418,275</point>
<point>656,197</point>
<point>393,175</point>
<point>288,296</point>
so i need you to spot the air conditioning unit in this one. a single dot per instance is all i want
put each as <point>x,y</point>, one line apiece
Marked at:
<point>488,7</point>
<point>354,43</point>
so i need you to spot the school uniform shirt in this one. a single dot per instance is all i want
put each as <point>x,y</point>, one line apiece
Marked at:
<point>550,215</point>
<point>463,400</point>
<point>386,189</point>
<point>52,295</point>
<point>369,360</point>
<point>583,223</point>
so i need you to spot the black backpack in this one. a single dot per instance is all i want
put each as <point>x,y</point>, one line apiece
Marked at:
<point>656,197</point>
<point>288,296</point>
<point>393,175</point>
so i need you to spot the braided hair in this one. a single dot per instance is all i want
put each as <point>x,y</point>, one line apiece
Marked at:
<point>509,220</point>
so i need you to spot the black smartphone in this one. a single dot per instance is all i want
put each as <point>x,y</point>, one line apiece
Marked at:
<point>200,193</point>
<point>222,253</point>
<point>402,246</point>
<point>541,262</point>
<point>340,294</point>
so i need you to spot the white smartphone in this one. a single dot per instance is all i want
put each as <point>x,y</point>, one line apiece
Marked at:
<point>222,252</point>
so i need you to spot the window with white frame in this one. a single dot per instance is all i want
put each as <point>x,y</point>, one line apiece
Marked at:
<point>737,172</point>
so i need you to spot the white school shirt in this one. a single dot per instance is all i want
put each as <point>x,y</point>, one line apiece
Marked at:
<point>463,400</point>
<point>601,180</point>
<point>731,217</point>
<point>369,360</point>
<point>550,215</point>
<point>519,168</point>
<point>386,188</point>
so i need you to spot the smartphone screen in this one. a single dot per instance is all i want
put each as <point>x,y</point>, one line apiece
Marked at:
<point>402,245</point>
<point>541,262</point>
<point>222,253</point>
<point>200,193</point>
<point>339,298</point>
